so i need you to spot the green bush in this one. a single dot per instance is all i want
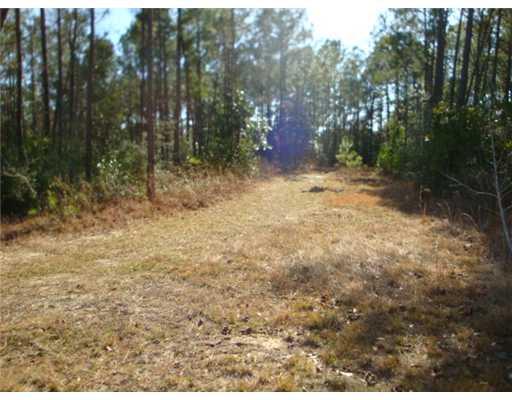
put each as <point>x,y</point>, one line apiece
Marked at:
<point>347,156</point>
<point>120,171</point>
<point>246,160</point>
<point>194,161</point>
<point>229,121</point>
<point>253,140</point>
<point>62,198</point>
<point>457,146</point>
<point>18,195</point>
<point>393,154</point>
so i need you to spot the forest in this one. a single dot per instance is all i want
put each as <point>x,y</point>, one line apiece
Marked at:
<point>431,102</point>
<point>234,116</point>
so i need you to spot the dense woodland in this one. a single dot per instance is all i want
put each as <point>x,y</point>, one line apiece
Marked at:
<point>226,88</point>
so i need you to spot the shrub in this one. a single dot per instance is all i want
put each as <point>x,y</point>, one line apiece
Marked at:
<point>246,160</point>
<point>62,198</point>
<point>347,156</point>
<point>456,146</point>
<point>393,155</point>
<point>18,194</point>
<point>120,171</point>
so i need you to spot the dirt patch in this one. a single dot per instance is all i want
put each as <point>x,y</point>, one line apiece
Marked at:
<point>353,199</point>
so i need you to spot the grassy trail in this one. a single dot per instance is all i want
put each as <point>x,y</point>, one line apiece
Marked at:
<point>281,288</point>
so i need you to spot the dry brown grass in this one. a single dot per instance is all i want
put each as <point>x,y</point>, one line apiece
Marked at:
<point>176,191</point>
<point>277,289</point>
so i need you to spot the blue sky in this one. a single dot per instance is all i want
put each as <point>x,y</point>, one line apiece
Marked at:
<point>115,22</point>
<point>352,25</point>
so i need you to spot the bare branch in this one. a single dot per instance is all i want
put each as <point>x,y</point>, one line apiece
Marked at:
<point>507,188</point>
<point>474,191</point>
<point>503,213</point>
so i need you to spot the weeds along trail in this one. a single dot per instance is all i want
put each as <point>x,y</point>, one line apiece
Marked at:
<point>282,288</point>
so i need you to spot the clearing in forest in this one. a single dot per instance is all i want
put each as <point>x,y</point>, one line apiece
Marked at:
<point>345,287</point>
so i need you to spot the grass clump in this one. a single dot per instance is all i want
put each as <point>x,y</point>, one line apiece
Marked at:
<point>307,276</point>
<point>319,321</point>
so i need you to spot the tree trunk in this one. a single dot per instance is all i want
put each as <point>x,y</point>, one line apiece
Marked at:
<point>441,18</point>
<point>177,111</point>
<point>165,83</point>
<point>461,95</point>
<point>398,105</point>
<point>90,73</point>
<point>19,90</point>
<point>72,64</point>
<point>33,102</point>
<point>142,78</point>
<point>46,94</point>
<point>418,98</point>
<point>3,16</point>
<point>158,104</point>
<point>429,72</point>
<point>198,123</point>
<point>485,77</point>
<point>165,108</point>
<point>455,59</point>
<point>150,111</point>
<point>495,61</point>
<point>388,106</point>
<point>282,71</point>
<point>188,103</point>
<point>370,129</point>
<point>479,69</point>
<point>381,114</point>
<point>57,120</point>
<point>357,142</point>
<point>475,75</point>
<point>406,104</point>
<point>508,77</point>
<point>228,77</point>
<point>234,76</point>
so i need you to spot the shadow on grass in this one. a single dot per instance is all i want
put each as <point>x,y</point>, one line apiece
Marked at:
<point>373,182</point>
<point>423,330</point>
<point>462,211</point>
<point>397,195</point>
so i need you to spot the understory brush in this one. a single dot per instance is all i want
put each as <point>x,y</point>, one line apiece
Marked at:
<point>465,161</point>
<point>116,197</point>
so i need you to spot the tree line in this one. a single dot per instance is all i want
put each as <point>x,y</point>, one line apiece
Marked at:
<point>430,100</point>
